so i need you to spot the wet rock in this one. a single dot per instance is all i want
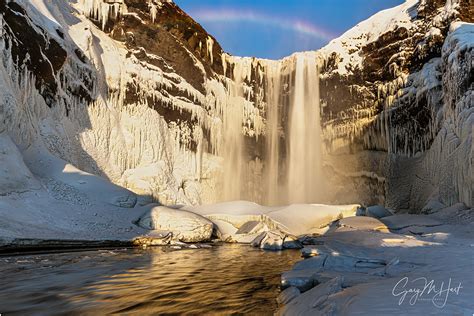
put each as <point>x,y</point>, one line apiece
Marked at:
<point>287,295</point>
<point>185,226</point>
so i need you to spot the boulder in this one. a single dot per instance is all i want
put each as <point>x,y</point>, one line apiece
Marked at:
<point>185,226</point>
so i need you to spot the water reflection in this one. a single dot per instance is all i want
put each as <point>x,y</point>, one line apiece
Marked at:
<point>224,279</point>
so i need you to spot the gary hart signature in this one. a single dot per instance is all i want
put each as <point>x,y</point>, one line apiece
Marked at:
<point>422,289</point>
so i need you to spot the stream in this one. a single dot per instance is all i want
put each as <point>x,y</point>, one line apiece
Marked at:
<point>225,279</point>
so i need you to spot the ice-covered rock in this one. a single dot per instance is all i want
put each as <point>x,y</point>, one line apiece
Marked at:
<point>250,227</point>
<point>377,211</point>
<point>303,280</point>
<point>14,174</point>
<point>362,222</point>
<point>272,240</point>
<point>314,262</point>
<point>309,251</point>
<point>405,220</point>
<point>313,301</point>
<point>299,219</point>
<point>185,226</point>
<point>287,295</point>
<point>291,242</point>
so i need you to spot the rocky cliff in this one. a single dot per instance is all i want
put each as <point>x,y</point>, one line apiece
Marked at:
<point>137,92</point>
<point>398,94</point>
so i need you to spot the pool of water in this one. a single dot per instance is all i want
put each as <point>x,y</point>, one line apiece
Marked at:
<point>226,279</point>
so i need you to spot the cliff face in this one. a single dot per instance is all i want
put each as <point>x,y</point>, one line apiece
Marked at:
<point>397,119</point>
<point>139,93</point>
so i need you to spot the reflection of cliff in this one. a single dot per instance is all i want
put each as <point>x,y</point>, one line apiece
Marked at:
<point>136,91</point>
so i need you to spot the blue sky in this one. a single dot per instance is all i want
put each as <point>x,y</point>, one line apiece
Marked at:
<point>277,28</point>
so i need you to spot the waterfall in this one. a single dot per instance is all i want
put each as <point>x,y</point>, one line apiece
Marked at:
<point>296,176</point>
<point>292,147</point>
<point>304,134</point>
<point>232,142</point>
<point>273,88</point>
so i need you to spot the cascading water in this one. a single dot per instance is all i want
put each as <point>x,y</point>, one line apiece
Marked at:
<point>272,160</point>
<point>292,163</point>
<point>304,133</point>
<point>232,142</point>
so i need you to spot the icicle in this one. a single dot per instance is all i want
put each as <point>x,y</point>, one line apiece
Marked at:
<point>224,63</point>
<point>153,10</point>
<point>210,46</point>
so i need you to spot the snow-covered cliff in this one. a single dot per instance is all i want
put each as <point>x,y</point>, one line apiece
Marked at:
<point>137,92</point>
<point>398,97</point>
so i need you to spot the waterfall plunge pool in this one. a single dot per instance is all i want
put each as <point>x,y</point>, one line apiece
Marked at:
<point>224,279</point>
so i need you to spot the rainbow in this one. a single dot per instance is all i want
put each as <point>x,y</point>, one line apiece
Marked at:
<point>300,26</point>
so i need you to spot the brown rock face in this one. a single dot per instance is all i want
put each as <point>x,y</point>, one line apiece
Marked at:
<point>173,35</point>
<point>41,56</point>
<point>32,47</point>
<point>402,117</point>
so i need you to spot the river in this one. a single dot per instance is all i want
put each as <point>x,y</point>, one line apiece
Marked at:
<point>224,279</point>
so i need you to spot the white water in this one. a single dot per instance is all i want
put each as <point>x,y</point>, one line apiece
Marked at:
<point>232,145</point>
<point>304,143</point>
<point>292,127</point>
<point>273,136</point>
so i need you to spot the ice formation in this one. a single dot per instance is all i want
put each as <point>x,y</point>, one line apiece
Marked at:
<point>247,128</point>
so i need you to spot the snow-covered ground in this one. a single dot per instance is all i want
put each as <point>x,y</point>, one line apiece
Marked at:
<point>397,265</point>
